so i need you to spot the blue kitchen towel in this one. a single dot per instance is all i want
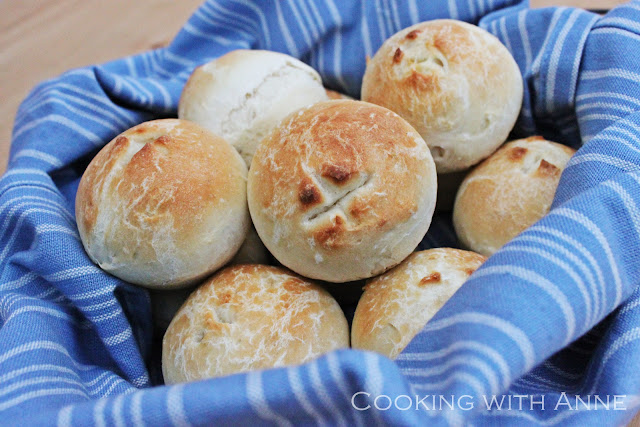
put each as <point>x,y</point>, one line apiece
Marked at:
<point>546,332</point>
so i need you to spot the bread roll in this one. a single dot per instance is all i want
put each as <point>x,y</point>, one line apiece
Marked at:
<point>454,82</point>
<point>163,204</point>
<point>508,192</point>
<point>244,94</point>
<point>342,190</point>
<point>396,305</point>
<point>332,94</point>
<point>249,317</point>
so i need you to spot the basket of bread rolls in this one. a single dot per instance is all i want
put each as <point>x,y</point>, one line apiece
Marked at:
<point>378,217</point>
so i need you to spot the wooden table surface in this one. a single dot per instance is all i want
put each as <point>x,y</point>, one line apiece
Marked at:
<point>40,39</point>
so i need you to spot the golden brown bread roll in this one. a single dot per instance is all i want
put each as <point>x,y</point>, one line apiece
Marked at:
<point>249,317</point>
<point>244,94</point>
<point>396,305</point>
<point>508,192</point>
<point>342,190</point>
<point>454,82</point>
<point>163,204</point>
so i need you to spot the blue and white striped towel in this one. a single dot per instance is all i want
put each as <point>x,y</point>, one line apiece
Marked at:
<point>553,315</point>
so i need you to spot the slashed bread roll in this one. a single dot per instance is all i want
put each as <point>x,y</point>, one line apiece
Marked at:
<point>244,94</point>
<point>508,192</point>
<point>250,317</point>
<point>396,305</point>
<point>342,190</point>
<point>454,82</point>
<point>163,204</point>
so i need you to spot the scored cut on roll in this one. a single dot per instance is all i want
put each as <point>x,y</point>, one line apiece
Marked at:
<point>250,317</point>
<point>508,192</point>
<point>396,305</point>
<point>244,94</point>
<point>163,204</point>
<point>342,190</point>
<point>452,81</point>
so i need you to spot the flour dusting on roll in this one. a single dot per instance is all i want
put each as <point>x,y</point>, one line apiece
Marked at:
<point>244,94</point>
<point>342,190</point>
<point>396,305</point>
<point>454,82</point>
<point>164,204</point>
<point>508,192</point>
<point>250,317</point>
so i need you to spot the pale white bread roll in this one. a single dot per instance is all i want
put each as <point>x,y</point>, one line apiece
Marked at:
<point>250,317</point>
<point>508,193</point>
<point>342,190</point>
<point>398,304</point>
<point>163,204</point>
<point>244,94</point>
<point>454,82</point>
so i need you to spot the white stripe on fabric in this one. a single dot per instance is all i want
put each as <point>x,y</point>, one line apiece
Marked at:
<point>136,409</point>
<point>116,411</point>
<point>605,94</point>
<point>98,413</point>
<point>462,377</point>
<point>584,270</point>
<point>258,402</point>
<point>575,245</point>
<point>77,112</point>
<point>453,9</point>
<point>336,375</point>
<point>39,380</point>
<point>364,28</point>
<point>284,30</point>
<point>65,416</point>
<point>175,406</point>
<point>509,329</point>
<point>293,375</point>
<point>50,228</point>
<point>575,67</point>
<point>610,72</point>
<point>72,273</point>
<point>495,357</point>
<point>413,12</point>
<point>261,17</point>
<point>536,65</point>
<point>606,105</point>
<point>524,36</point>
<point>628,306</point>
<point>337,49</point>
<point>554,61</point>
<point>564,266</point>
<point>40,155</point>
<point>597,233</point>
<point>47,392</point>
<point>465,361</point>
<point>26,171</point>
<point>62,121</point>
<point>605,159</point>
<point>118,338</point>
<point>616,32</point>
<point>196,32</point>
<point>374,380</point>
<point>50,312</point>
<point>321,391</point>
<point>543,283</point>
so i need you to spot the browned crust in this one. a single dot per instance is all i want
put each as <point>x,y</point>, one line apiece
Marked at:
<point>341,142</point>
